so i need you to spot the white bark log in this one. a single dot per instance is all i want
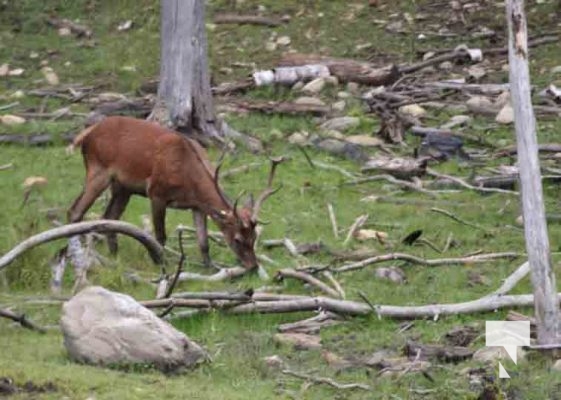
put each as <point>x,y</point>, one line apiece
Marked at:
<point>535,226</point>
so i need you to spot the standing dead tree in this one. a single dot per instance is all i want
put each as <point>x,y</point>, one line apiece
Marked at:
<point>184,95</point>
<point>546,302</point>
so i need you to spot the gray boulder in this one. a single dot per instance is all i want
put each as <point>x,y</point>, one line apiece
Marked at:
<point>101,327</point>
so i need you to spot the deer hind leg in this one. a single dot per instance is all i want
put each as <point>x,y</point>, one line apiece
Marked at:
<point>119,199</point>
<point>199,218</point>
<point>96,183</point>
<point>159,219</point>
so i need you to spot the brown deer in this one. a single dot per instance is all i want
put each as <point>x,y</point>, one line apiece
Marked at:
<point>133,156</point>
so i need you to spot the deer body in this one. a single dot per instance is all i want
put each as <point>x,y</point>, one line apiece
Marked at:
<point>132,156</point>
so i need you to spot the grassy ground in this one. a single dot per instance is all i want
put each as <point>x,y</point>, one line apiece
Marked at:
<point>121,61</point>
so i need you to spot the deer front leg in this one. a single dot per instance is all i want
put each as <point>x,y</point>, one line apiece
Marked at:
<point>159,219</point>
<point>199,218</point>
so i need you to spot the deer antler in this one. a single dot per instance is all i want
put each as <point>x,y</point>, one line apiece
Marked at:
<point>222,196</point>
<point>269,190</point>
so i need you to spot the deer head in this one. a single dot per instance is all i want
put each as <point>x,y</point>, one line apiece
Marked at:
<point>238,224</point>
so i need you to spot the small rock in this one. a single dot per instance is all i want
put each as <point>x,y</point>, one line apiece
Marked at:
<point>339,105</point>
<point>556,366</point>
<point>556,70</point>
<point>33,55</point>
<point>394,274</point>
<point>331,80</point>
<point>502,99</point>
<point>343,95</point>
<point>367,234</point>
<point>16,72</point>
<point>505,67</point>
<point>50,76</point>
<point>298,85</point>
<point>275,134</point>
<point>445,66</point>
<point>506,115</point>
<point>519,220</point>
<point>9,119</point>
<point>129,68</point>
<point>353,87</point>
<point>413,110</point>
<point>493,354</point>
<point>18,94</point>
<point>4,69</point>
<point>283,41</point>
<point>124,26</point>
<point>64,31</point>
<point>340,123</point>
<point>479,102</point>
<point>274,362</point>
<point>334,135</point>
<point>270,46</point>
<point>476,73</point>
<point>428,55</point>
<point>365,140</point>
<point>457,120</point>
<point>315,86</point>
<point>298,138</point>
<point>300,341</point>
<point>110,96</point>
<point>310,101</point>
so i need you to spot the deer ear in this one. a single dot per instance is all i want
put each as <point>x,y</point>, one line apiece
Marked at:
<point>220,215</point>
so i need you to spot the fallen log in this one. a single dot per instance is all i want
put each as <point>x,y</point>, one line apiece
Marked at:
<point>154,249</point>
<point>346,70</point>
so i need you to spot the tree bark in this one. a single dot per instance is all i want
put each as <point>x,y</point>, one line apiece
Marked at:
<point>184,93</point>
<point>546,301</point>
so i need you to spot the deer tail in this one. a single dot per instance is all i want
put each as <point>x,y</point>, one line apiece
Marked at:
<point>77,142</point>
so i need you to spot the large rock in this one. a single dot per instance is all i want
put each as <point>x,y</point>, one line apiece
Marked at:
<point>102,327</point>
<point>340,123</point>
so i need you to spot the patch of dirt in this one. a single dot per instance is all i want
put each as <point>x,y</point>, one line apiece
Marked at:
<point>8,387</point>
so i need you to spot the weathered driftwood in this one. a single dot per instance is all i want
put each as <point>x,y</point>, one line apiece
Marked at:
<point>241,19</point>
<point>346,70</point>
<point>77,29</point>
<point>462,183</point>
<point>438,352</point>
<point>476,259</point>
<point>274,107</point>
<point>535,226</point>
<point>37,140</point>
<point>326,381</point>
<point>401,168</point>
<point>423,131</point>
<point>154,249</point>
<point>542,148</point>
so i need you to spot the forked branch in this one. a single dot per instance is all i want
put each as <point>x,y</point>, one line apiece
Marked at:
<point>269,189</point>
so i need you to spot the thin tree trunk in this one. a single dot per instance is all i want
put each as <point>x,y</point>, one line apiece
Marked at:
<point>184,95</point>
<point>535,226</point>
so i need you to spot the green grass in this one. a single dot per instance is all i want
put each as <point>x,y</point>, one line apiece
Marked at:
<point>238,344</point>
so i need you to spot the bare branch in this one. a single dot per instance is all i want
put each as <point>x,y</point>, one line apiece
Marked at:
<point>22,320</point>
<point>290,273</point>
<point>326,381</point>
<point>153,247</point>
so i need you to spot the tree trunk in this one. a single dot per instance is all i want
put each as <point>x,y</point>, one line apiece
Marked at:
<point>184,95</point>
<point>535,226</point>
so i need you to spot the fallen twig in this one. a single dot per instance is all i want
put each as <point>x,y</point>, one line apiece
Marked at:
<point>463,183</point>
<point>512,280</point>
<point>6,166</point>
<point>326,381</point>
<point>474,259</point>
<point>333,220</point>
<point>22,320</point>
<point>180,263</point>
<point>357,224</point>
<point>458,219</point>
<point>246,19</point>
<point>303,276</point>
